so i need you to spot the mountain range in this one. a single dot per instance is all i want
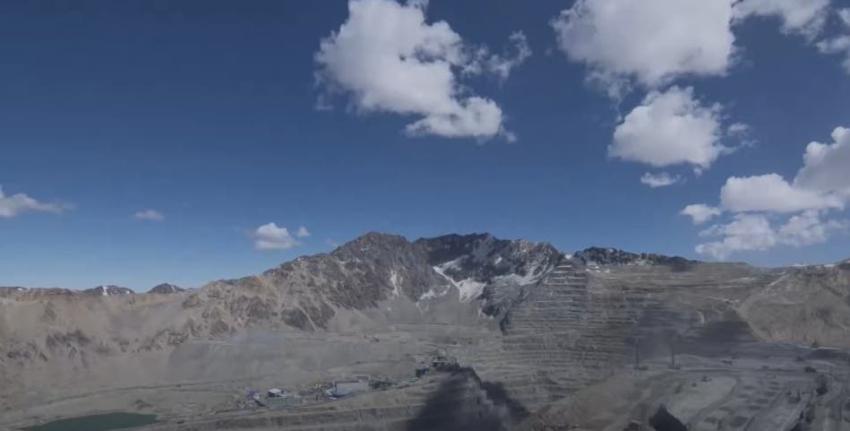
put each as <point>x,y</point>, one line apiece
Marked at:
<point>512,310</point>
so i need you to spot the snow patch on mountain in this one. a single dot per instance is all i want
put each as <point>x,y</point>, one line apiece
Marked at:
<point>468,288</point>
<point>394,281</point>
<point>522,280</point>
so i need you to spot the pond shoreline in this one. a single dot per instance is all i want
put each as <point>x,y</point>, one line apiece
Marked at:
<point>97,422</point>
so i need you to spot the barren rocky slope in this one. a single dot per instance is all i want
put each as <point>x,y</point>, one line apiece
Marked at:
<point>538,324</point>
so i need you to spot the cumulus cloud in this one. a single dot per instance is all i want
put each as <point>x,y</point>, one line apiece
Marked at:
<point>767,210</point>
<point>745,233</point>
<point>771,193</point>
<point>839,44</point>
<point>653,42</point>
<point>805,17</point>
<point>823,182</point>
<point>826,167</point>
<point>149,215</point>
<point>670,128</point>
<point>273,237</point>
<point>389,59</point>
<point>701,213</point>
<point>755,232</point>
<point>649,41</point>
<point>661,179</point>
<point>19,203</point>
<point>808,228</point>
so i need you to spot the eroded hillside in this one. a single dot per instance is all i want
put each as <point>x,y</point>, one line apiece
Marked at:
<point>537,324</point>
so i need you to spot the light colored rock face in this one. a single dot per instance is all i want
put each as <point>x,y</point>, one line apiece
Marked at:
<point>809,305</point>
<point>539,324</point>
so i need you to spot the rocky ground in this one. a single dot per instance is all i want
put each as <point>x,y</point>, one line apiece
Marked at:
<point>599,339</point>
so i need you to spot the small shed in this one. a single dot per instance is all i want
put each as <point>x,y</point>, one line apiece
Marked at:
<point>276,393</point>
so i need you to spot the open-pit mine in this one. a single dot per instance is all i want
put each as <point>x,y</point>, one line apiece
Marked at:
<point>460,332</point>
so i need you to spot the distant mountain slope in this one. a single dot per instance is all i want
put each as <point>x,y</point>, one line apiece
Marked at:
<point>166,288</point>
<point>809,305</point>
<point>530,302</point>
<point>108,291</point>
<point>612,256</point>
<point>304,294</point>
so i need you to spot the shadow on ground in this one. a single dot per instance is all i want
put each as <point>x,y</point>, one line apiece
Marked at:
<point>465,403</point>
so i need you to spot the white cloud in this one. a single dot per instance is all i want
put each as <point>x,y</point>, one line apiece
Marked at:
<point>701,213</point>
<point>651,41</point>
<point>801,207</point>
<point>826,167</point>
<point>149,215</point>
<point>839,44</point>
<point>302,232</point>
<point>808,228</point>
<point>19,203</point>
<point>746,232</point>
<point>273,237</point>
<point>670,128</point>
<point>738,129</point>
<point>771,193</point>
<point>501,65</point>
<point>389,59</point>
<point>822,183</point>
<point>798,16</point>
<point>755,232</point>
<point>661,179</point>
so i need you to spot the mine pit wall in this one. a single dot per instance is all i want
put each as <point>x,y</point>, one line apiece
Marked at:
<point>576,328</point>
<point>560,338</point>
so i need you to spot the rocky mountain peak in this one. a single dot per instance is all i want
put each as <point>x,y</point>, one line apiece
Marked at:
<point>372,245</point>
<point>489,269</point>
<point>482,257</point>
<point>357,275</point>
<point>166,288</point>
<point>108,290</point>
<point>613,256</point>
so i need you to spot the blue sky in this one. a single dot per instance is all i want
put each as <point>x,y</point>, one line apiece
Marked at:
<point>219,117</point>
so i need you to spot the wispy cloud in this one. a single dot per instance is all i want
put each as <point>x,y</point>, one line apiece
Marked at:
<point>302,232</point>
<point>149,215</point>
<point>661,179</point>
<point>19,203</point>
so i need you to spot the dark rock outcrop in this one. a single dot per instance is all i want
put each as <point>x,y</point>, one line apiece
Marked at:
<point>505,268</point>
<point>613,256</point>
<point>483,257</point>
